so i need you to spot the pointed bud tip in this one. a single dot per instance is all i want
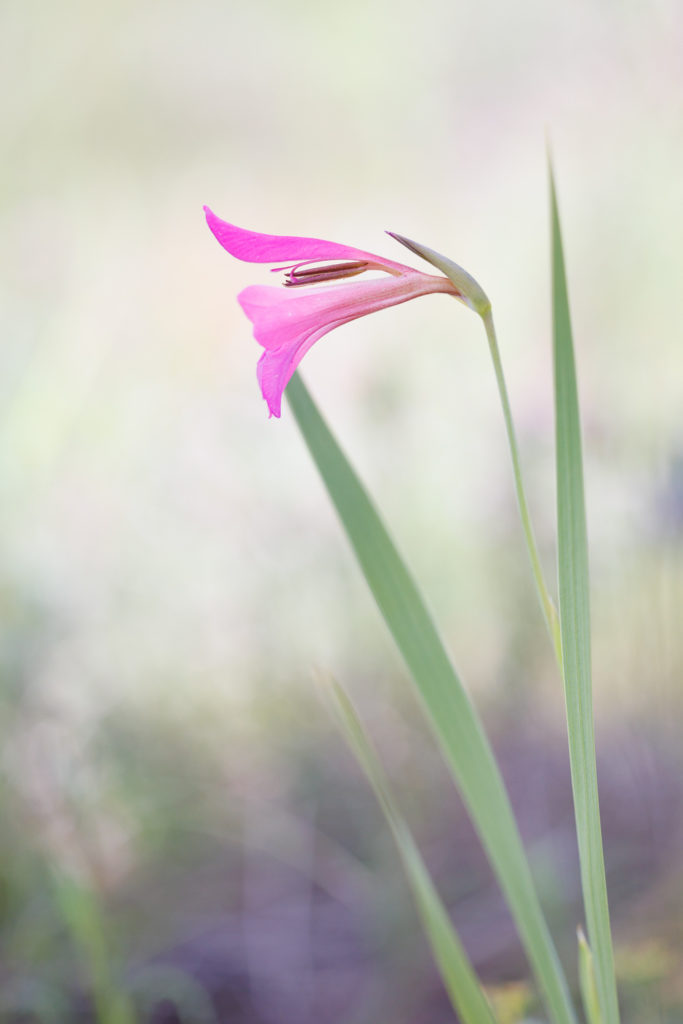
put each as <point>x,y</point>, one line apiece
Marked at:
<point>473,295</point>
<point>402,240</point>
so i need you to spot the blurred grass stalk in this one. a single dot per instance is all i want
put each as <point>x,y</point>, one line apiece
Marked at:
<point>83,917</point>
<point>459,978</point>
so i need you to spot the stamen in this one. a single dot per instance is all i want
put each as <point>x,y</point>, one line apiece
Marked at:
<point>299,275</point>
<point>292,266</point>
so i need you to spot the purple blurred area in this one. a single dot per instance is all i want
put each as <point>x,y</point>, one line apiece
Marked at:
<point>271,891</point>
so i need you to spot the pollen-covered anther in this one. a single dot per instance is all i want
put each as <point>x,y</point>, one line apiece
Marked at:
<point>333,272</point>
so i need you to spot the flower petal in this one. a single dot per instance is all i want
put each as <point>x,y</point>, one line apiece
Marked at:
<point>287,323</point>
<point>254,247</point>
<point>275,368</point>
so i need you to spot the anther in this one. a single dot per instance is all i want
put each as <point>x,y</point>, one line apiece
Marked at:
<point>333,272</point>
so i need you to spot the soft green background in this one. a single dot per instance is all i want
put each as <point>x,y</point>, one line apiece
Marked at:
<point>168,554</point>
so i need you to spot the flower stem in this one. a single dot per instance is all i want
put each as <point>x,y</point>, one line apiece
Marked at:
<point>547,606</point>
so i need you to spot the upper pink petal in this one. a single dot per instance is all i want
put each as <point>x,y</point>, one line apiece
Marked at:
<point>254,247</point>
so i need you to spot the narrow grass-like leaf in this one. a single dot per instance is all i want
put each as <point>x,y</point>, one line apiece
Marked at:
<point>457,972</point>
<point>573,585</point>
<point>449,709</point>
<point>587,984</point>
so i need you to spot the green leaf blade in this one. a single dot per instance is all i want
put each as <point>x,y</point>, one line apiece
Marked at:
<point>459,978</point>
<point>574,610</point>
<point>587,983</point>
<point>446,703</point>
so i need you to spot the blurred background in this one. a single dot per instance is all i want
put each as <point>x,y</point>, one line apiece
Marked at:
<point>184,836</point>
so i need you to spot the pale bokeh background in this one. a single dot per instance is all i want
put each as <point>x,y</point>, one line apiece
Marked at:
<point>148,504</point>
<point>167,551</point>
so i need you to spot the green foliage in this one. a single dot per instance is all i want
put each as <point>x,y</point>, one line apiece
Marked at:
<point>448,707</point>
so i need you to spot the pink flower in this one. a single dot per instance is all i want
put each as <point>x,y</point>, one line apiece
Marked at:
<point>287,322</point>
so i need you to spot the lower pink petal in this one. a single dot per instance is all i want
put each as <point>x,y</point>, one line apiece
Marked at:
<point>288,323</point>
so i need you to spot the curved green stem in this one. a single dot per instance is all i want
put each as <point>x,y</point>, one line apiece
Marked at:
<point>474,296</point>
<point>549,611</point>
